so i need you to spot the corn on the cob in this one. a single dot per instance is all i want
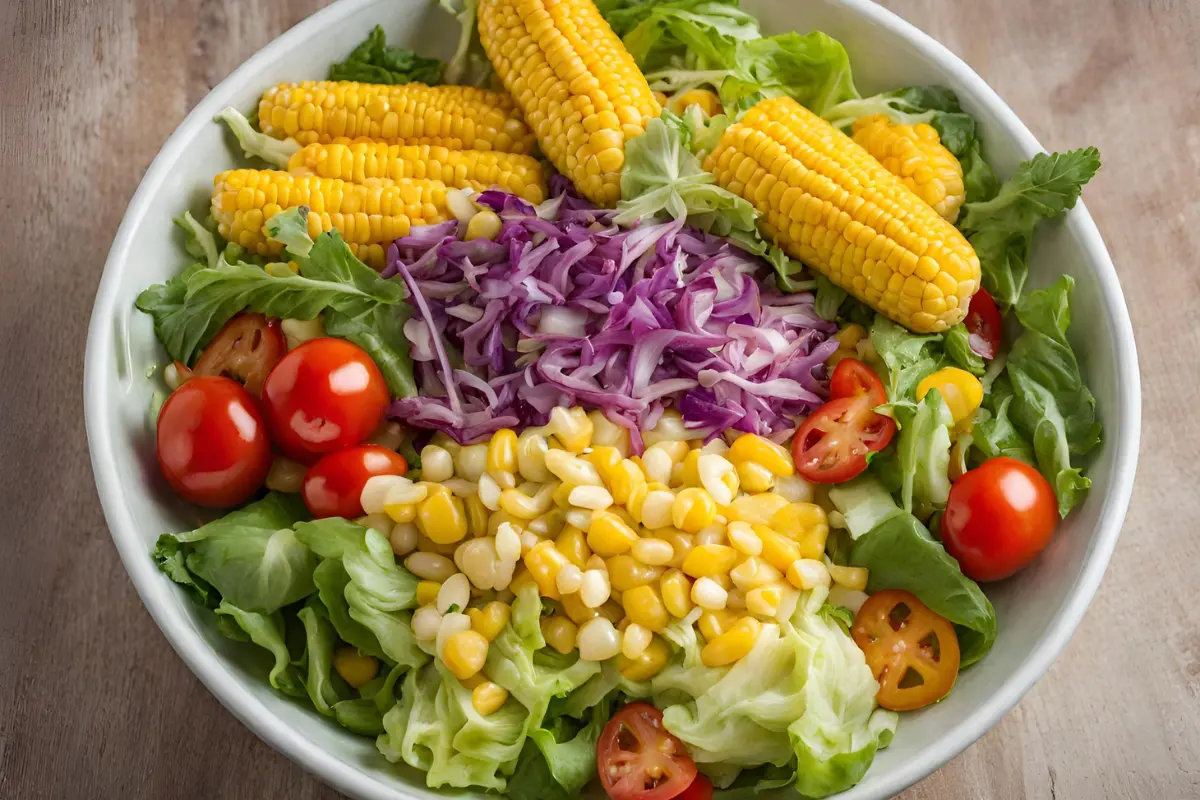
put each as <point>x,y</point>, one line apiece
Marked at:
<point>580,89</point>
<point>368,217</point>
<point>826,201</point>
<point>458,117</point>
<point>364,160</point>
<point>915,155</point>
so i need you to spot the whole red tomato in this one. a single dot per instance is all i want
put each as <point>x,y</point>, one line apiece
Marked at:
<point>333,485</point>
<point>324,395</point>
<point>1000,515</point>
<point>212,442</point>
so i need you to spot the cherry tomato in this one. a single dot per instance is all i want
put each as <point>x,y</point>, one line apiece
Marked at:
<point>324,395</point>
<point>700,789</point>
<point>1000,515</point>
<point>911,651</point>
<point>332,486</point>
<point>832,444</point>
<point>639,760</point>
<point>852,378</point>
<point>983,324</point>
<point>246,349</point>
<point>212,442</point>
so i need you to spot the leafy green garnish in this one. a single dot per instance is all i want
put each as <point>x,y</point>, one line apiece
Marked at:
<point>959,352</point>
<point>1001,229</point>
<point>829,298</point>
<point>275,152</point>
<point>374,62</point>
<point>909,357</point>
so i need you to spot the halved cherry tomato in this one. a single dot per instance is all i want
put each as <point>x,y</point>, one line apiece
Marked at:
<point>832,444</point>
<point>333,485</point>
<point>246,349</point>
<point>324,395</point>
<point>984,324</point>
<point>999,516</point>
<point>701,789</point>
<point>852,378</point>
<point>639,760</point>
<point>911,651</point>
<point>212,442</point>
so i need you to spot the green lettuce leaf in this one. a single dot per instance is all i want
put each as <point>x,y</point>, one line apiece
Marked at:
<point>199,241</point>
<point>319,642</point>
<point>813,69</point>
<point>250,556</point>
<point>900,554</point>
<point>374,62</point>
<point>959,353</point>
<point>276,152</point>
<point>364,715</point>
<point>993,433</point>
<point>700,34</point>
<point>268,631</point>
<point>1001,228</point>
<point>829,298</point>
<point>864,503</point>
<point>1052,406</point>
<point>923,449</point>
<point>662,178</point>
<point>909,358</point>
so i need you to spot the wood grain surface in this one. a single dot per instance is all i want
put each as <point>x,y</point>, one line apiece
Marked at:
<point>94,703</point>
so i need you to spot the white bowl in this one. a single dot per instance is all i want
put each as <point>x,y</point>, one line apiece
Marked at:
<point>1037,611</point>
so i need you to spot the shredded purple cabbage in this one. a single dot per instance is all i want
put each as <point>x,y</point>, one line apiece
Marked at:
<point>564,308</point>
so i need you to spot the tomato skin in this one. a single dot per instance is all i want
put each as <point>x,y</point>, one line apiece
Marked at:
<point>998,518</point>
<point>212,444</point>
<point>246,349</point>
<point>624,772</point>
<point>852,378</point>
<point>831,446</point>
<point>700,789</point>
<point>984,324</point>
<point>894,629</point>
<point>332,486</point>
<point>324,395</point>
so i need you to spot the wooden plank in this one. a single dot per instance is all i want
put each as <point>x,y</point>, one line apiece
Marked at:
<point>93,703</point>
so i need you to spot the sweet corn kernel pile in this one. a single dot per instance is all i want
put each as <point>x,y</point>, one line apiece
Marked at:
<point>620,546</point>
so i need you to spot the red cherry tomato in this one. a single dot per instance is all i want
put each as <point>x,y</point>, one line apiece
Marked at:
<point>246,349</point>
<point>852,378</point>
<point>212,442</point>
<point>701,789</point>
<point>1000,515</point>
<point>639,760</point>
<point>324,395</point>
<point>832,444</point>
<point>333,485</point>
<point>984,324</point>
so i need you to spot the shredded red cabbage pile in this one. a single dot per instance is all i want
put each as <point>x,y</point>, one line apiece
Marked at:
<point>565,308</point>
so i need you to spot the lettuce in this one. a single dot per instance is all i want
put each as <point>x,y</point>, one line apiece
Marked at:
<point>276,152</point>
<point>1001,228</point>
<point>900,554</point>
<point>319,641</point>
<point>251,556</point>
<point>698,34</point>
<point>908,357</point>
<point>864,503</point>
<point>813,69</point>
<point>1052,406</point>
<point>357,303</point>
<point>268,631</point>
<point>993,433</point>
<point>959,353</point>
<point>374,62</point>
<point>923,449</point>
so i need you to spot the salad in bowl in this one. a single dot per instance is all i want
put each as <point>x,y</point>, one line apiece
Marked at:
<point>628,404</point>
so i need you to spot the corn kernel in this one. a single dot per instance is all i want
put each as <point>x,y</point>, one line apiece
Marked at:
<point>437,464</point>
<point>604,459</point>
<point>470,462</point>
<point>647,664</point>
<point>594,589</point>
<point>676,450</point>
<point>709,559</point>
<point>465,653</point>
<point>549,524</point>
<point>656,509</point>
<point>543,562</point>
<point>443,518</point>
<point>606,433</point>
<point>804,523</point>
<point>426,622</point>
<point>626,572</point>
<point>355,668</point>
<point>736,601</point>
<point>608,535</point>
<point>657,465</point>
<point>644,605</point>
<point>719,478</point>
<point>430,566</point>
<point>754,477</point>
<point>752,447</point>
<point>850,577</point>
<point>756,508</point>
<point>732,645</point>
<point>713,623</point>
<point>754,572</point>
<point>490,620</point>
<point>531,456</point>
<point>501,453</point>
<point>427,592</point>
<point>778,550</point>
<point>598,640</point>
<point>524,507</point>
<point>693,509</point>
<point>572,543</point>
<point>652,552</point>
<point>681,543</point>
<point>743,538</point>
<point>710,534</point>
<point>794,489</point>
<point>596,498</point>
<point>487,698</point>
<point>622,478</point>
<point>709,594</point>
<point>560,633</point>
<point>764,601</point>
<point>570,579</point>
<point>808,573</point>
<point>676,593</point>
<point>573,606</point>
<point>571,427</point>
<point>572,470</point>
<point>404,538</point>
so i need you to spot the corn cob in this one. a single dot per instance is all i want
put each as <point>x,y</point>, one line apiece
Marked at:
<point>363,160</point>
<point>458,117</point>
<point>827,202</point>
<point>915,155</point>
<point>580,89</point>
<point>368,217</point>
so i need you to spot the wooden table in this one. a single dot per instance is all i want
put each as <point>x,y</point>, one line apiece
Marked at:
<point>94,704</point>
